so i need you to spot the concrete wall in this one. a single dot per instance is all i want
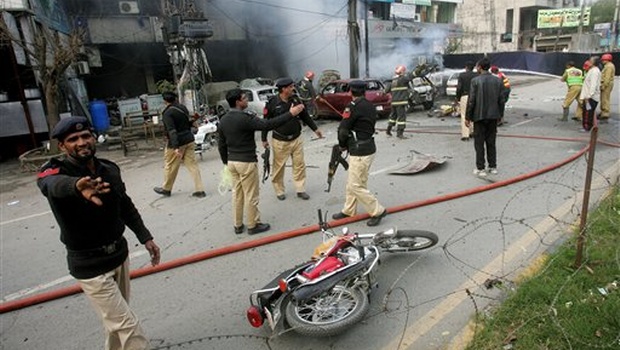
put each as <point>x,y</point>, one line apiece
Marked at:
<point>120,30</point>
<point>484,21</point>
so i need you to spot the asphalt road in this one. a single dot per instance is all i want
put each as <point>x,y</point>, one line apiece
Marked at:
<point>423,300</point>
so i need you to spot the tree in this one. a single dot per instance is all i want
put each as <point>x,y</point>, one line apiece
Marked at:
<point>602,12</point>
<point>50,54</point>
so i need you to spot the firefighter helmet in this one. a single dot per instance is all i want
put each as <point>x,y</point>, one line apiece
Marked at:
<point>606,57</point>
<point>400,69</point>
<point>309,74</point>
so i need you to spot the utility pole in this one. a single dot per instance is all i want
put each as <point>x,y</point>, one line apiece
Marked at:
<point>580,29</point>
<point>366,44</point>
<point>614,28</point>
<point>354,40</point>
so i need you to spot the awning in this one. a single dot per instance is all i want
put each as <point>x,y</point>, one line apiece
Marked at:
<point>418,2</point>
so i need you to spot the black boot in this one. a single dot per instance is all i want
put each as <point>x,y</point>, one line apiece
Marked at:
<point>389,130</point>
<point>400,134</point>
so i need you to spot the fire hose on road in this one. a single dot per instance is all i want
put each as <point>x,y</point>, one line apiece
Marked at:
<point>74,289</point>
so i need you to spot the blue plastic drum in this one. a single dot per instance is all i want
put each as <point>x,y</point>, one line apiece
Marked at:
<point>99,113</point>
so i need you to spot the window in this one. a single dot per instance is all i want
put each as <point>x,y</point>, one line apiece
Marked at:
<point>509,20</point>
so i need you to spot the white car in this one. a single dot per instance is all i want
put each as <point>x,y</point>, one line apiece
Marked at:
<point>452,83</point>
<point>257,98</point>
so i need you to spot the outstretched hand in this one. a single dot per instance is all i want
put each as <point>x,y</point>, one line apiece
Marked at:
<point>91,188</point>
<point>154,252</point>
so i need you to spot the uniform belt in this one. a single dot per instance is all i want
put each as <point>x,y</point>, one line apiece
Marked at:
<point>283,137</point>
<point>103,250</point>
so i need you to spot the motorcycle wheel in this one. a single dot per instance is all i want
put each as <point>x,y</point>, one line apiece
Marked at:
<point>329,313</point>
<point>409,241</point>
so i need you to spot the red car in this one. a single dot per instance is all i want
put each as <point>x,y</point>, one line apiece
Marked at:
<point>335,96</point>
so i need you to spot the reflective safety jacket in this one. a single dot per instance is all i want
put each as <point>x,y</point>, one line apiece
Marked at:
<point>400,89</point>
<point>573,76</point>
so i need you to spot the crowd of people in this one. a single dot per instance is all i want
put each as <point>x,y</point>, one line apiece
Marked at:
<point>591,87</point>
<point>89,201</point>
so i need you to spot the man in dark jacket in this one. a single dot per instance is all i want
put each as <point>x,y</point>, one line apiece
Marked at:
<point>483,109</point>
<point>237,149</point>
<point>180,147</point>
<point>92,208</point>
<point>462,94</point>
<point>356,134</point>
<point>286,140</point>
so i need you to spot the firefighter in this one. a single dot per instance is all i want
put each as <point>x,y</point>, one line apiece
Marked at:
<point>306,91</point>
<point>573,77</point>
<point>607,84</point>
<point>400,100</point>
<point>505,91</point>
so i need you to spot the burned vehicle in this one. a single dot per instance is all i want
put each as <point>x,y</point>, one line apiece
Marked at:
<point>422,91</point>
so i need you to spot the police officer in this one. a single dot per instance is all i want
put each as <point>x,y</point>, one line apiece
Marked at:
<point>573,77</point>
<point>237,149</point>
<point>286,140</point>
<point>400,100</point>
<point>355,134</point>
<point>307,93</point>
<point>92,208</point>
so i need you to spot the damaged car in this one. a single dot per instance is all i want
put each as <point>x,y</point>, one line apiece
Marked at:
<point>335,96</point>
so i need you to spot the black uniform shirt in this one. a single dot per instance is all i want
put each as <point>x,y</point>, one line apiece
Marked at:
<point>178,126</point>
<point>85,227</point>
<point>236,134</point>
<point>290,130</point>
<point>357,127</point>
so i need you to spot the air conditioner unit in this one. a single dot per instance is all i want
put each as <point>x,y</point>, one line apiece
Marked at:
<point>82,68</point>
<point>416,17</point>
<point>128,7</point>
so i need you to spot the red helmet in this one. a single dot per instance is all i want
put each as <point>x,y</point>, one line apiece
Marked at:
<point>400,69</point>
<point>587,65</point>
<point>309,75</point>
<point>606,57</point>
<point>494,69</point>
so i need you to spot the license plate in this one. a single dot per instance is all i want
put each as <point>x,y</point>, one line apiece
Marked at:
<point>379,108</point>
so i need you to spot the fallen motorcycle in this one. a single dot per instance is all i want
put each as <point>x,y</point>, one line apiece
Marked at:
<point>330,293</point>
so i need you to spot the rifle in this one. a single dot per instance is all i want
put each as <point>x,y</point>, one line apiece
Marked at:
<point>335,159</point>
<point>266,167</point>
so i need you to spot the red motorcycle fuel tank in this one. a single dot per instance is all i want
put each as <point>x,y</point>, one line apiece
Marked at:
<point>327,265</point>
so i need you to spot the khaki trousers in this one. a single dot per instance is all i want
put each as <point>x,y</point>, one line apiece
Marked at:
<point>465,131</point>
<point>245,192</point>
<point>605,101</point>
<point>282,150</point>
<point>357,187</point>
<point>571,95</point>
<point>172,163</point>
<point>109,295</point>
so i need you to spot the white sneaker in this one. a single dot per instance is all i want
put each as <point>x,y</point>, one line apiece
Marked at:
<point>480,173</point>
<point>493,171</point>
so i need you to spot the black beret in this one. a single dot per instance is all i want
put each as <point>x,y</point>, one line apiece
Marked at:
<point>70,125</point>
<point>282,82</point>
<point>357,85</point>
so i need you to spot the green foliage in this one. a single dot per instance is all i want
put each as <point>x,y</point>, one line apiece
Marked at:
<point>602,12</point>
<point>562,307</point>
<point>165,85</point>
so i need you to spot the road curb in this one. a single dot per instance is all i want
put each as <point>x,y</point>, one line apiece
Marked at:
<point>610,176</point>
